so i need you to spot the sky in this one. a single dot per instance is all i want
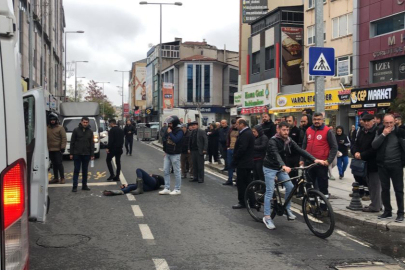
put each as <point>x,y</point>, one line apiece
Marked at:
<point>119,32</point>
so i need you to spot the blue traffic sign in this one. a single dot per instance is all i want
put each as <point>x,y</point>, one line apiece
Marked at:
<point>321,61</point>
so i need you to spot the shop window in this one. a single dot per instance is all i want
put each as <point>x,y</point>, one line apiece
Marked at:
<point>387,70</point>
<point>343,66</point>
<point>256,62</point>
<point>342,26</point>
<point>270,57</point>
<point>190,83</point>
<point>387,25</point>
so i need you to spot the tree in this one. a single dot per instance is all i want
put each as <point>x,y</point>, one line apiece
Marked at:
<point>70,93</point>
<point>95,94</point>
<point>398,105</point>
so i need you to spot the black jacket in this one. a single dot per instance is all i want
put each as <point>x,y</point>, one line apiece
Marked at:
<point>223,134</point>
<point>343,143</point>
<point>115,139</point>
<point>128,129</point>
<point>243,152</point>
<point>173,142</point>
<point>269,129</point>
<point>261,142</point>
<point>82,142</point>
<point>297,135</point>
<point>381,157</point>
<point>186,141</point>
<point>363,146</point>
<point>277,152</point>
<point>213,140</point>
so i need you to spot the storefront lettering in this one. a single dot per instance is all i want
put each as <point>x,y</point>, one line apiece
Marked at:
<point>389,51</point>
<point>400,2</point>
<point>257,93</point>
<point>382,66</point>
<point>251,103</point>
<point>379,94</point>
<point>295,100</point>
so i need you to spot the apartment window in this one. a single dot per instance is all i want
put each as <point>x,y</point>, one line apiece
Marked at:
<point>198,84</point>
<point>311,34</point>
<point>311,3</point>
<point>233,76</point>
<point>388,25</point>
<point>190,83</point>
<point>342,25</point>
<point>343,66</point>
<point>207,83</point>
<point>270,57</point>
<point>170,51</point>
<point>232,91</point>
<point>256,62</point>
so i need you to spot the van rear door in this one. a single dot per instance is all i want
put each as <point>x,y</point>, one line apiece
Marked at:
<point>37,153</point>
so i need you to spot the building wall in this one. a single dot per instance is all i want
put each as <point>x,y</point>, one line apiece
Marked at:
<point>217,89</point>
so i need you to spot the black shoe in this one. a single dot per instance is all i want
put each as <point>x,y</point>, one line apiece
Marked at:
<point>400,218</point>
<point>117,178</point>
<point>238,206</point>
<point>385,215</point>
<point>193,180</point>
<point>111,177</point>
<point>227,183</point>
<point>85,188</point>
<point>74,189</point>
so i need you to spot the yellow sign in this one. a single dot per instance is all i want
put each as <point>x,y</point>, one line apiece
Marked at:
<point>384,104</point>
<point>24,85</point>
<point>292,110</point>
<point>307,99</point>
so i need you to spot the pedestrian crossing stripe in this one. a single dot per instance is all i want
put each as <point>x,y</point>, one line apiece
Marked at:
<point>321,64</point>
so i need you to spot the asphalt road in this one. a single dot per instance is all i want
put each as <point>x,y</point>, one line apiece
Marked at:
<point>196,230</point>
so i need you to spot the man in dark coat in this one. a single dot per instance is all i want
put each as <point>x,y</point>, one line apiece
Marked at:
<point>129,131</point>
<point>223,134</point>
<point>259,153</point>
<point>363,150</point>
<point>269,128</point>
<point>243,159</point>
<point>198,146</point>
<point>185,158</point>
<point>114,149</point>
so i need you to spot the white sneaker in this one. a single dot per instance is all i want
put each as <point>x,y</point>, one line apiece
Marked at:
<point>164,192</point>
<point>175,192</point>
<point>269,223</point>
<point>291,216</point>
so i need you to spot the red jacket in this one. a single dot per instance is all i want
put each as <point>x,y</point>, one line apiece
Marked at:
<point>317,142</point>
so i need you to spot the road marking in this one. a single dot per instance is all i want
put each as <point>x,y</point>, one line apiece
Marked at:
<point>348,236</point>
<point>122,177</point>
<point>137,211</point>
<point>89,184</point>
<point>131,197</point>
<point>146,232</point>
<point>161,264</point>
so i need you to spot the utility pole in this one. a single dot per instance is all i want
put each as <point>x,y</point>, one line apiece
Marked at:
<point>319,80</point>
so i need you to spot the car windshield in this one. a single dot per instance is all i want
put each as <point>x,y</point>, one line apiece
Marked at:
<point>71,124</point>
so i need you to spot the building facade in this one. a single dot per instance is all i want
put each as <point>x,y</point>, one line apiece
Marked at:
<point>46,45</point>
<point>137,89</point>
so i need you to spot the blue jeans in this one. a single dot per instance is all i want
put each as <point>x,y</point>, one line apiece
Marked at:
<point>229,157</point>
<point>80,161</point>
<point>169,161</point>
<point>342,163</point>
<point>269,176</point>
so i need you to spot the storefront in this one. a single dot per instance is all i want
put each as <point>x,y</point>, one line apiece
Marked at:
<point>294,104</point>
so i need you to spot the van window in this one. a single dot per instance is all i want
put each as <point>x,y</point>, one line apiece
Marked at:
<point>29,119</point>
<point>71,124</point>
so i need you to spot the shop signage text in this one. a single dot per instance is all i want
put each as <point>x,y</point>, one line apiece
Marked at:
<point>370,97</point>
<point>237,99</point>
<point>254,96</point>
<point>307,99</point>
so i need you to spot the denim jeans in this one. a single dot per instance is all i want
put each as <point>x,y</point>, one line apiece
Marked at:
<point>342,163</point>
<point>80,161</point>
<point>172,160</point>
<point>229,156</point>
<point>269,176</point>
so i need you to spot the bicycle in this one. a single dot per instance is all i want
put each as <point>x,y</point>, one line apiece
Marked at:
<point>316,208</point>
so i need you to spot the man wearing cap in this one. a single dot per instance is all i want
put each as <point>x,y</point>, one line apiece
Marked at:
<point>363,150</point>
<point>197,147</point>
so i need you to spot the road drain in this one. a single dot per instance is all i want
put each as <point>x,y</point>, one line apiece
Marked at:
<point>369,265</point>
<point>62,240</point>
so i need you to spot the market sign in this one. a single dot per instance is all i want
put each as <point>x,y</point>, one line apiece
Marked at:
<point>237,99</point>
<point>255,95</point>
<point>307,99</point>
<point>253,110</point>
<point>372,97</point>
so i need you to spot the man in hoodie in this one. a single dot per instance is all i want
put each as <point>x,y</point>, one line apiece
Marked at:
<point>114,149</point>
<point>56,136</point>
<point>268,126</point>
<point>81,151</point>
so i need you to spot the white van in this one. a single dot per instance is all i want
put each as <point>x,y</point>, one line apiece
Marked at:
<point>21,143</point>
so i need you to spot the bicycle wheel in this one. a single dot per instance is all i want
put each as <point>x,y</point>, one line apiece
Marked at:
<point>254,199</point>
<point>318,213</point>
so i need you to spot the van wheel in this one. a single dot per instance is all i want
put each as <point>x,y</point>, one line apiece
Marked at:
<point>97,155</point>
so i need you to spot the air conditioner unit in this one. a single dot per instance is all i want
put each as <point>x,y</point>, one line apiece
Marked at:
<point>346,80</point>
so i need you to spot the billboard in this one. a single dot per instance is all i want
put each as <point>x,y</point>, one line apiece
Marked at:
<point>168,98</point>
<point>149,86</point>
<point>126,109</point>
<point>292,55</point>
<point>253,9</point>
<point>140,83</point>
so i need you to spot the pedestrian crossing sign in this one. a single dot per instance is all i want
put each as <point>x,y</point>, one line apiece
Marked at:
<point>321,61</point>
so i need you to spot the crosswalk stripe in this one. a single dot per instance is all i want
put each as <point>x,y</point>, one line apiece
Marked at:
<point>161,264</point>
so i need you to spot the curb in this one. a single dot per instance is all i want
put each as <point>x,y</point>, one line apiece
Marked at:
<point>346,217</point>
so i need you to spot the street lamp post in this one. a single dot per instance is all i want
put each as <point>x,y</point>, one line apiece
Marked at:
<point>103,96</point>
<point>76,76</point>
<point>68,32</point>
<point>160,51</point>
<point>122,71</point>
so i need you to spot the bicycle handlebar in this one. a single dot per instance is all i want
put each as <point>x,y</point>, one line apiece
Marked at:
<point>305,168</point>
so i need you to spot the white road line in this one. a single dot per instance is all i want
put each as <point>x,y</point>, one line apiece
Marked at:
<point>137,211</point>
<point>161,264</point>
<point>146,232</point>
<point>131,197</point>
<point>122,177</point>
<point>348,236</point>
<point>89,184</point>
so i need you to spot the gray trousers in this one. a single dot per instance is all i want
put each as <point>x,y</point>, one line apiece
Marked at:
<point>374,187</point>
<point>198,165</point>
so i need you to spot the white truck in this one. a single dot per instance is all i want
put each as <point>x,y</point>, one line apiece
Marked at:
<point>71,114</point>
<point>184,115</point>
<point>23,150</point>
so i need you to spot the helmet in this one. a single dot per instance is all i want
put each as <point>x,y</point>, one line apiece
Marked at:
<point>173,119</point>
<point>52,116</point>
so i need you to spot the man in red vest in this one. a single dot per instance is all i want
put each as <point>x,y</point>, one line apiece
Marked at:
<point>321,143</point>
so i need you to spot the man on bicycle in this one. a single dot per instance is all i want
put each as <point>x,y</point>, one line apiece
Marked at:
<point>280,145</point>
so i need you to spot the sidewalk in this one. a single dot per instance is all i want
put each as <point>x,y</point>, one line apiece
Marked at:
<point>339,190</point>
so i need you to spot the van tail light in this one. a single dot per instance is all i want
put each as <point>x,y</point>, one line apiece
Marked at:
<point>15,216</point>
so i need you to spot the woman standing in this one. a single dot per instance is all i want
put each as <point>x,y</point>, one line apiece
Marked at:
<point>213,136</point>
<point>343,151</point>
<point>259,153</point>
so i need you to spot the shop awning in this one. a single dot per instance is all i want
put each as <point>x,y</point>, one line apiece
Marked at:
<point>294,109</point>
